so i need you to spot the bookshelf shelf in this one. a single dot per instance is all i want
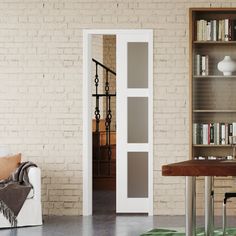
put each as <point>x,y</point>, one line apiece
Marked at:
<point>214,111</point>
<point>212,146</point>
<point>214,77</point>
<point>214,42</point>
<point>212,95</point>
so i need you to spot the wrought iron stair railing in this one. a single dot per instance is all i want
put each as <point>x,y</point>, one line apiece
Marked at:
<point>99,161</point>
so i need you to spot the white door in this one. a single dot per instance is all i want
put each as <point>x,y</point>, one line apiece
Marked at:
<point>134,187</point>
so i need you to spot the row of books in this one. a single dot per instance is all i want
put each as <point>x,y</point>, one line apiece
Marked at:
<point>202,64</point>
<point>213,133</point>
<point>216,30</point>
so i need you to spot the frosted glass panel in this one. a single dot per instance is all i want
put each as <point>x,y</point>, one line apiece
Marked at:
<point>137,65</point>
<point>137,120</point>
<point>137,174</point>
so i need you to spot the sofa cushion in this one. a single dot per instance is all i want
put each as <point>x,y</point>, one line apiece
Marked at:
<point>8,164</point>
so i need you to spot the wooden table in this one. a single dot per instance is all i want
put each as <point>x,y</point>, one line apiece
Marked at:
<point>191,169</point>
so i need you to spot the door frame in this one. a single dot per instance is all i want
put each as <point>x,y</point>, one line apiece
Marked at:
<point>87,117</point>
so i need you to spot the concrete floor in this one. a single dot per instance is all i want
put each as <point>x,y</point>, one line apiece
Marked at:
<point>103,225</point>
<point>105,222</point>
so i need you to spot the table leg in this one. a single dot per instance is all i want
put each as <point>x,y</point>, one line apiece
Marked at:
<point>209,207</point>
<point>190,207</point>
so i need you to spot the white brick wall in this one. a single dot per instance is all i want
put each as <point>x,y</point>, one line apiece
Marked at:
<point>41,88</point>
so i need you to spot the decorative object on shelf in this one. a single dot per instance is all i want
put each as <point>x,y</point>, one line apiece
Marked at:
<point>227,66</point>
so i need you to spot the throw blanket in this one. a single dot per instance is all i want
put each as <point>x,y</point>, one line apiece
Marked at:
<point>14,191</point>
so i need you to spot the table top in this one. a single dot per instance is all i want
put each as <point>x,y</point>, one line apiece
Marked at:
<point>200,168</point>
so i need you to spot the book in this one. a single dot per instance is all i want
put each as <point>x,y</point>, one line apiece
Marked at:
<point>226,134</point>
<point>233,30</point>
<point>220,30</point>
<point>208,32</point>
<point>215,133</point>
<point>205,134</point>
<point>222,134</point>
<point>211,128</point>
<point>226,29</point>
<point>204,30</point>
<point>198,30</point>
<point>198,63</point>
<point>218,133</point>
<point>230,128</point>
<point>214,35</point>
<point>234,128</point>
<point>203,65</point>
<point>195,126</point>
<point>207,65</point>
<point>200,134</point>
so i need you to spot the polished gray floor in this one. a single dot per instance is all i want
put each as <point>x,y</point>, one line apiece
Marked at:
<point>102,225</point>
<point>105,222</point>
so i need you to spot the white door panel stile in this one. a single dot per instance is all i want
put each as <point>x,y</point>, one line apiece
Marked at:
<point>125,204</point>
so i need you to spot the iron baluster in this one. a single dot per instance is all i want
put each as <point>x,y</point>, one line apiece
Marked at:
<point>107,94</point>
<point>108,123</point>
<point>97,111</point>
<point>97,117</point>
<point>108,115</point>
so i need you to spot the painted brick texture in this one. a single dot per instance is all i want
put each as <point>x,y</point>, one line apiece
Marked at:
<point>41,90</point>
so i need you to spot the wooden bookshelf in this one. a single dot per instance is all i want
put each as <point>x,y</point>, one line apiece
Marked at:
<point>212,96</point>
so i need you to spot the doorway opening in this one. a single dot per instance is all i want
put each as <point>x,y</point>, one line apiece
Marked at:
<point>103,123</point>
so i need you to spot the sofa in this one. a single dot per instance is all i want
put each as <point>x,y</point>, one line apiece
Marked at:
<point>31,211</point>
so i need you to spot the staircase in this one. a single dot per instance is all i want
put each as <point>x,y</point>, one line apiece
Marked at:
<point>104,139</point>
<point>104,168</point>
